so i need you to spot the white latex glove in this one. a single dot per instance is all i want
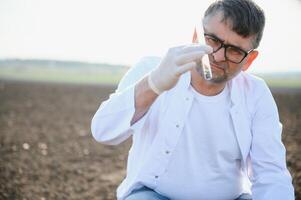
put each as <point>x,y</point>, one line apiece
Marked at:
<point>176,62</point>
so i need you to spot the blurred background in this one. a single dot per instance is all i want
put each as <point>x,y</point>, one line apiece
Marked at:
<point>59,59</point>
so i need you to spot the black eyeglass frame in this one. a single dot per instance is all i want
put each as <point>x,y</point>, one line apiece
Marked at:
<point>246,53</point>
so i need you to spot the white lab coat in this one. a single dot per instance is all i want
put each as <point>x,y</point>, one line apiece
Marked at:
<point>254,115</point>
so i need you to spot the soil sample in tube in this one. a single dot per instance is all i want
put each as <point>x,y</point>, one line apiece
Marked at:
<point>205,60</point>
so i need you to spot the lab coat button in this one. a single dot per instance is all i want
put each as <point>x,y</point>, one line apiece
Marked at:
<point>156,176</point>
<point>167,152</point>
<point>177,125</point>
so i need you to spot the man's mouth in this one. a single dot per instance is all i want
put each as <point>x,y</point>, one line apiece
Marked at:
<point>216,66</point>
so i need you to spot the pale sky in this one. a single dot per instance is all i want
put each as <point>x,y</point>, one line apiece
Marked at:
<point>122,31</point>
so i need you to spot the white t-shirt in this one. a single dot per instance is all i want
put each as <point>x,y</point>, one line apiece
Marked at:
<point>208,132</point>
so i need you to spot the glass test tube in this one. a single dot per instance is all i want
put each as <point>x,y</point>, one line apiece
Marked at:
<point>205,60</point>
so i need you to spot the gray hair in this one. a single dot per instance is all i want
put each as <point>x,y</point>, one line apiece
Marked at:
<point>246,17</point>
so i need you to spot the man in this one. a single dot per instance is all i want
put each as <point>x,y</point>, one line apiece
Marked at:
<point>197,139</point>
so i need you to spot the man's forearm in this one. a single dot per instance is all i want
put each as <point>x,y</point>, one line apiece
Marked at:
<point>144,98</point>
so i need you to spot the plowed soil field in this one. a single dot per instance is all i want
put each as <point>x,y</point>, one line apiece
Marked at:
<point>47,151</point>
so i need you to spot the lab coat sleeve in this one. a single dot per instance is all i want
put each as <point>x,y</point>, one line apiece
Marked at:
<point>269,175</point>
<point>111,124</point>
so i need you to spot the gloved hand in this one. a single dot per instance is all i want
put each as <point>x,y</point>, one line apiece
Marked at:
<point>176,62</point>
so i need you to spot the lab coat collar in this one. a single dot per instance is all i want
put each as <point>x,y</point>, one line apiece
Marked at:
<point>234,88</point>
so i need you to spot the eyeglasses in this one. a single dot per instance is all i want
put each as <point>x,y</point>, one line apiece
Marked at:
<point>232,53</point>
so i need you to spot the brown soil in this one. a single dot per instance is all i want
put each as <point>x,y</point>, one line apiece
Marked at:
<point>47,151</point>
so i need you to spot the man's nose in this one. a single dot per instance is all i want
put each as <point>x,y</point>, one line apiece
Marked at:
<point>219,56</point>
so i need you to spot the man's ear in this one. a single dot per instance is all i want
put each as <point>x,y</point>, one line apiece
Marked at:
<point>250,58</point>
<point>195,36</point>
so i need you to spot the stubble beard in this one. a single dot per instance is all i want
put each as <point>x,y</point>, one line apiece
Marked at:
<point>216,78</point>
